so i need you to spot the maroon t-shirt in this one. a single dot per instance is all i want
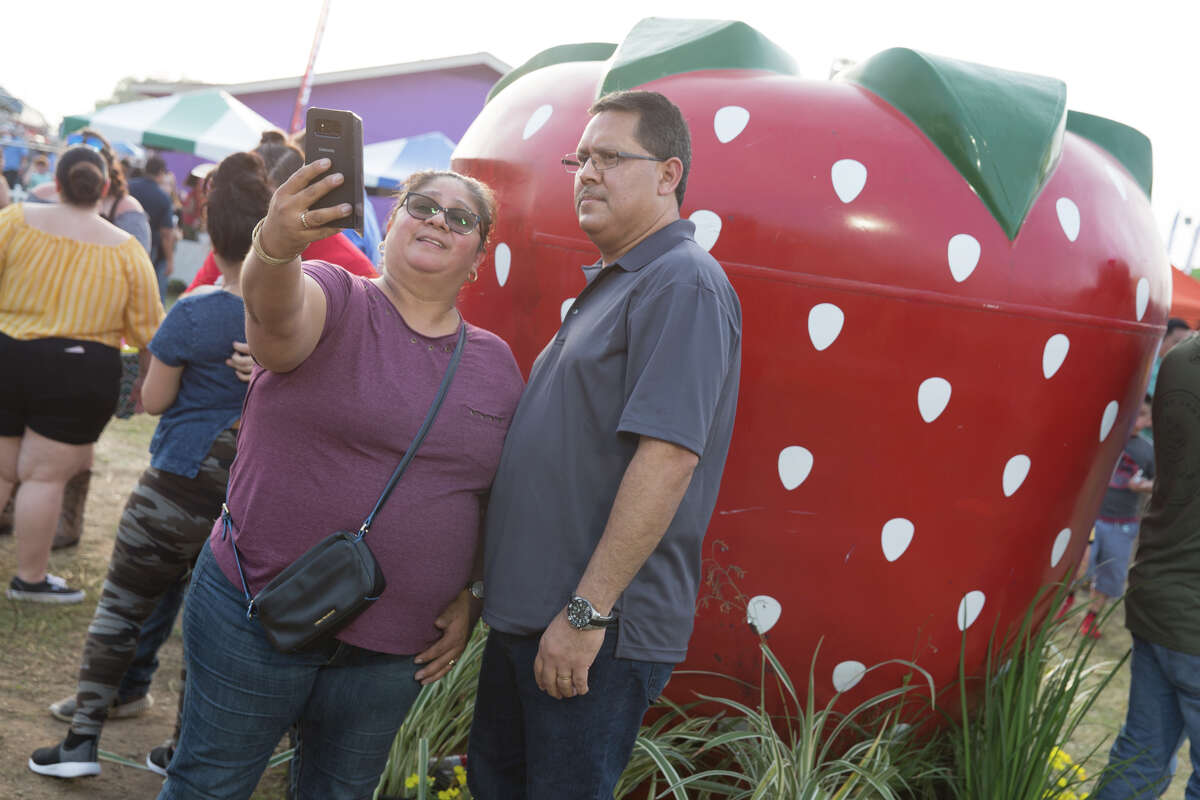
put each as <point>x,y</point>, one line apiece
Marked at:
<point>318,444</point>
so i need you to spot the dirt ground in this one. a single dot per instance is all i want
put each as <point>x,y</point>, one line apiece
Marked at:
<point>40,646</point>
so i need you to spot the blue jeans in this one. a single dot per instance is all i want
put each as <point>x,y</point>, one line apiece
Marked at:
<point>525,745</point>
<point>155,631</point>
<point>160,272</point>
<point>242,695</point>
<point>1110,556</point>
<point>1164,704</point>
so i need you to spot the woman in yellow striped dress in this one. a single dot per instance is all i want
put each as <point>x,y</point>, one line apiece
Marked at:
<point>72,286</point>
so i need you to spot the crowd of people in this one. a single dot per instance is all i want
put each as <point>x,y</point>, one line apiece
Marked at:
<point>250,372</point>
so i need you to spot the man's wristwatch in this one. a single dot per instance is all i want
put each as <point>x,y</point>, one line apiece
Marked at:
<point>583,616</point>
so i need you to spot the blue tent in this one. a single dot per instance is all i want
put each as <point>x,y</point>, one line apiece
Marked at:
<point>386,165</point>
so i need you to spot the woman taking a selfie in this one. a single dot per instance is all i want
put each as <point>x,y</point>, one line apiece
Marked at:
<point>307,467</point>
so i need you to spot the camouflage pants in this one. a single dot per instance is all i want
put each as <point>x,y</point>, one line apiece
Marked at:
<point>166,521</point>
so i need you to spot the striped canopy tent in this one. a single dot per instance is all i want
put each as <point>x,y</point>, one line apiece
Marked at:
<point>386,165</point>
<point>210,123</point>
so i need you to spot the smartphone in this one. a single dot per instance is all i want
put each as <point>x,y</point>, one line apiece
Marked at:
<point>338,136</point>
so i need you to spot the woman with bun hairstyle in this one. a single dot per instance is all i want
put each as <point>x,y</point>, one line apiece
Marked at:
<point>72,286</point>
<point>118,206</point>
<point>169,513</point>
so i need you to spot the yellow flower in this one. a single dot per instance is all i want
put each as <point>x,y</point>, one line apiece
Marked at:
<point>411,781</point>
<point>460,775</point>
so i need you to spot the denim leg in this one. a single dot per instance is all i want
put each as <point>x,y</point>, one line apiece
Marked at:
<point>496,751</point>
<point>155,631</point>
<point>577,747</point>
<point>355,709</point>
<point>1183,671</point>
<point>241,696</point>
<point>1140,756</point>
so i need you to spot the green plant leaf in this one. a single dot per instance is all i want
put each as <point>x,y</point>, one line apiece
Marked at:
<point>1001,130</point>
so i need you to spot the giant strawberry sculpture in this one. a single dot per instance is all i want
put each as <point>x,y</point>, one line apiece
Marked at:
<point>952,290</point>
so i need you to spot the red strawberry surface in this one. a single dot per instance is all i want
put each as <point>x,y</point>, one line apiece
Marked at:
<point>944,343</point>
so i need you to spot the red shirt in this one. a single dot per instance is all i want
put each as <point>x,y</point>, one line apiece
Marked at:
<point>337,249</point>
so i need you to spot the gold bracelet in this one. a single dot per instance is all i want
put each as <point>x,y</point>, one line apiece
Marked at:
<point>256,243</point>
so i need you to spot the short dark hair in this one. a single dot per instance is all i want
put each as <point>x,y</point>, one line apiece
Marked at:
<point>237,199</point>
<point>82,173</point>
<point>484,197</point>
<point>1175,324</point>
<point>661,128</point>
<point>155,166</point>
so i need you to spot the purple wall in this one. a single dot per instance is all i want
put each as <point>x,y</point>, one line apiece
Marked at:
<point>393,107</point>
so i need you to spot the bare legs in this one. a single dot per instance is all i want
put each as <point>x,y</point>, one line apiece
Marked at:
<point>43,467</point>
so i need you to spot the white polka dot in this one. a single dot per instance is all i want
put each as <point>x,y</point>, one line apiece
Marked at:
<point>762,612</point>
<point>503,262</point>
<point>537,119</point>
<point>729,121</point>
<point>1110,417</point>
<point>932,398</point>
<point>1060,546</point>
<point>962,253</point>
<point>1143,297</point>
<point>1015,472</point>
<point>969,608</point>
<point>897,534</point>
<point>566,306</point>
<point>708,228</point>
<point>847,674</point>
<point>824,324</point>
<point>849,178</point>
<point>795,463</point>
<point>1117,180</point>
<point>1054,354</point>
<point>1068,217</point>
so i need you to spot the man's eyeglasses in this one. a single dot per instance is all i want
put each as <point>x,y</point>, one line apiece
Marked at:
<point>89,141</point>
<point>459,220</point>
<point>601,159</point>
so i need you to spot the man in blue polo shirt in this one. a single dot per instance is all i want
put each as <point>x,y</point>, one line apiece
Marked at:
<point>608,477</point>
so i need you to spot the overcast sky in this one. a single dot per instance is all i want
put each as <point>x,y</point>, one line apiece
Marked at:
<point>1137,63</point>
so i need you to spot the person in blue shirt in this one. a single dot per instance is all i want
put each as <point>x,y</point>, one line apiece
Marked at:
<point>169,514</point>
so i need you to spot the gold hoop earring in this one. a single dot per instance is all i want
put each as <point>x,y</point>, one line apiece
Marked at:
<point>472,276</point>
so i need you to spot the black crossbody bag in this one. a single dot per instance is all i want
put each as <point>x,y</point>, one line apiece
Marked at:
<point>336,579</point>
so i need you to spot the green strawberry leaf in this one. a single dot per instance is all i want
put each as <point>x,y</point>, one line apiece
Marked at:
<point>1122,142</point>
<point>658,47</point>
<point>563,53</point>
<point>1001,130</point>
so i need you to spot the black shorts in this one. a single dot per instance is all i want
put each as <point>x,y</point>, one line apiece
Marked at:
<point>64,389</point>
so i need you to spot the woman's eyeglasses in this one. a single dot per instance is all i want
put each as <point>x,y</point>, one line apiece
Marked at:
<point>459,220</point>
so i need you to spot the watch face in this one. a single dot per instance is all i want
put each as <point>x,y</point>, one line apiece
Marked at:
<point>579,613</point>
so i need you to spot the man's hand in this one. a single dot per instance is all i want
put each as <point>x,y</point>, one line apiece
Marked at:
<point>241,361</point>
<point>564,657</point>
<point>455,622</point>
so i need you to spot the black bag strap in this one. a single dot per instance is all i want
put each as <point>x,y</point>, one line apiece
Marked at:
<point>227,520</point>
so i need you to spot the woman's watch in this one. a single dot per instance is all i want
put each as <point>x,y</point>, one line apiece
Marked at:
<point>583,616</point>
